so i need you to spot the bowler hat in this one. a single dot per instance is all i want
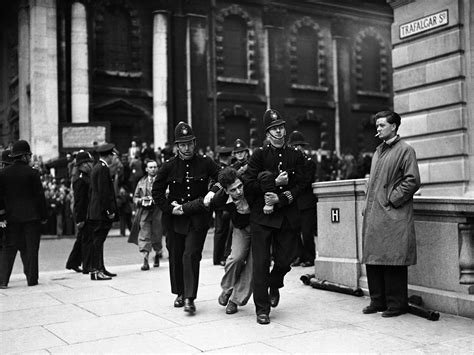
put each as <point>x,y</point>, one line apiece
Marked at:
<point>272,118</point>
<point>183,133</point>
<point>296,138</point>
<point>240,146</point>
<point>83,157</point>
<point>5,157</point>
<point>105,148</point>
<point>20,148</point>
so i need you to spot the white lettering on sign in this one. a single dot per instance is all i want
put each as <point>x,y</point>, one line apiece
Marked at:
<point>424,24</point>
<point>335,215</point>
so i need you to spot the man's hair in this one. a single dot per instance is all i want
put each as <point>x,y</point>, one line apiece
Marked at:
<point>227,176</point>
<point>148,160</point>
<point>392,117</point>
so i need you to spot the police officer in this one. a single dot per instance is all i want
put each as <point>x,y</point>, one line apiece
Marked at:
<point>102,209</point>
<point>278,168</point>
<point>6,161</point>
<point>187,176</point>
<point>241,154</point>
<point>307,205</point>
<point>22,209</point>
<point>81,251</point>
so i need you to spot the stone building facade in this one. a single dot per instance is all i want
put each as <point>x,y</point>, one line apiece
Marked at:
<point>142,66</point>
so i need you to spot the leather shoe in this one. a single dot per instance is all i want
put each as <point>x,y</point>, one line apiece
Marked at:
<point>373,309</point>
<point>274,297</point>
<point>109,274</point>
<point>3,287</point>
<point>296,262</point>
<point>99,276</point>
<point>85,271</point>
<point>263,319</point>
<point>231,308</point>
<point>145,265</point>
<point>179,301</point>
<point>157,261</point>
<point>75,268</point>
<point>223,298</point>
<point>392,313</point>
<point>189,305</point>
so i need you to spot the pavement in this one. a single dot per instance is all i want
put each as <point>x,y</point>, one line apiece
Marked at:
<point>133,313</point>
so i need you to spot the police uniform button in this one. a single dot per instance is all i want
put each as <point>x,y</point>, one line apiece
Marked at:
<point>279,155</point>
<point>189,195</point>
<point>189,188</point>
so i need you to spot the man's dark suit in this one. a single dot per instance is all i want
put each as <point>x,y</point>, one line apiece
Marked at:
<point>23,204</point>
<point>102,204</point>
<point>275,231</point>
<point>81,251</point>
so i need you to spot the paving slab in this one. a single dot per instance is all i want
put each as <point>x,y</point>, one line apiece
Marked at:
<point>27,339</point>
<point>107,327</point>
<point>134,313</point>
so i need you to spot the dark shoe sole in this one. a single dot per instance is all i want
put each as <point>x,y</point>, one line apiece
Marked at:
<point>389,314</point>
<point>263,319</point>
<point>371,310</point>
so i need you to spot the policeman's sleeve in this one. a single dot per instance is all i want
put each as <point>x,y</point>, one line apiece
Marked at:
<point>250,177</point>
<point>2,197</point>
<point>213,171</point>
<point>301,179</point>
<point>195,207</point>
<point>158,191</point>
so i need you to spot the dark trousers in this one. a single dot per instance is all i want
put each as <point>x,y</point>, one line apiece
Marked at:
<point>24,237</point>
<point>125,222</point>
<point>100,229</point>
<point>221,235</point>
<point>81,250</point>
<point>388,286</point>
<point>306,247</point>
<point>268,241</point>
<point>185,253</point>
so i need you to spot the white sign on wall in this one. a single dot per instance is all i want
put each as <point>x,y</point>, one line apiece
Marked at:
<point>424,24</point>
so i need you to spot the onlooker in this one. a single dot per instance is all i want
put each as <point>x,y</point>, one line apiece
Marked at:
<point>389,243</point>
<point>124,204</point>
<point>151,231</point>
<point>22,209</point>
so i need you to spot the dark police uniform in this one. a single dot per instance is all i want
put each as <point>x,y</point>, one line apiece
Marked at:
<point>102,205</point>
<point>307,205</point>
<point>186,180</point>
<point>275,231</point>
<point>81,251</point>
<point>23,206</point>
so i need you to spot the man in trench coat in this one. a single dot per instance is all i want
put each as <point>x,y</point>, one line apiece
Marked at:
<point>389,244</point>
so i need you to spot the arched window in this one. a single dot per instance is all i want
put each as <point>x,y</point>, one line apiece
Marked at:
<point>370,64</point>
<point>116,40</point>
<point>307,56</point>
<point>235,47</point>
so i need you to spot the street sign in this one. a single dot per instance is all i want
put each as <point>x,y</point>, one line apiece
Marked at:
<point>424,24</point>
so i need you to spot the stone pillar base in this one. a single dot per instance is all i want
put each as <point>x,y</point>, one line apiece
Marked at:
<point>341,270</point>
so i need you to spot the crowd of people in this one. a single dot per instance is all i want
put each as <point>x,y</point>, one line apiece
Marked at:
<point>261,199</point>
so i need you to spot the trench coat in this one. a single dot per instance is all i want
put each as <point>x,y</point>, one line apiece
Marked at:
<point>388,229</point>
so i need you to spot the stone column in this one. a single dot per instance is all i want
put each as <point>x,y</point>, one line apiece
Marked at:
<point>24,69</point>
<point>43,119</point>
<point>79,64</point>
<point>160,78</point>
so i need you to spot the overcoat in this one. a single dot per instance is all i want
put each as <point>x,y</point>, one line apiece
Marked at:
<point>388,226</point>
<point>102,194</point>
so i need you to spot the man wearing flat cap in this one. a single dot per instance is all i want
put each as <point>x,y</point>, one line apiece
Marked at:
<point>22,210</point>
<point>81,251</point>
<point>102,209</point>
<point>307,206</point>
<point>275,179</point>
<point>187,177</point>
